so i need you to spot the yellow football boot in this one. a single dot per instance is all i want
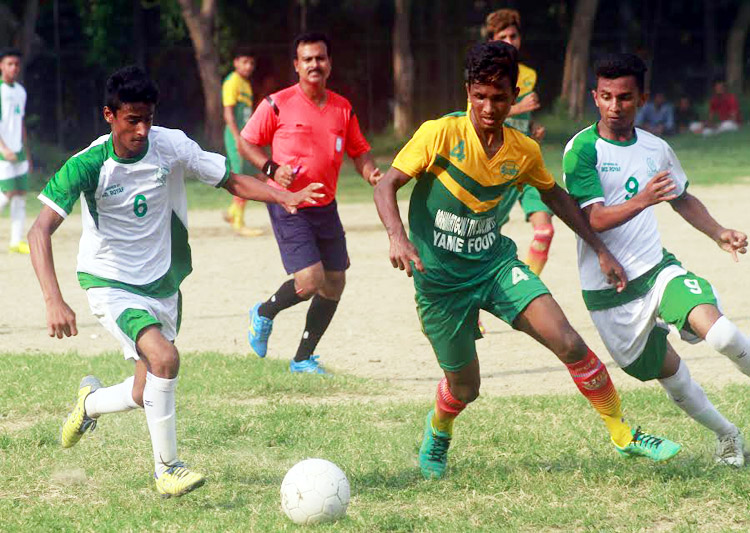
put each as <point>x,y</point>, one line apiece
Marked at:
<point>21,248</point>
<point>178,480</point>
<point>78,422</point>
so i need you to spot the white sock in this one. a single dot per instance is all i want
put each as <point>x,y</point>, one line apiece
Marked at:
<point>725,338</point>
<point>112,399</point>
<point>689,397</point>
<point>3,200</point>
<point>159,404</point>
<point>17,216</point>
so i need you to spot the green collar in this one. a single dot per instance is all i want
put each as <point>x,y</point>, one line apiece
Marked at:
<point>113,155</point>
<point>629,142</point>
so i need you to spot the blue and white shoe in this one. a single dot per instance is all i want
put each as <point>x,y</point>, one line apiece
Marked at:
<point>259,331</point>
<point>309,366</point>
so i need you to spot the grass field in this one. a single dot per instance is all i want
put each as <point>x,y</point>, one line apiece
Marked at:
<point>538,463</point>
<point>518,463</point>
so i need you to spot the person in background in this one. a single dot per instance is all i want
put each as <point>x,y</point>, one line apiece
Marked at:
<point>237,99</point>
<point>723,111</point>
<point>657,116</point>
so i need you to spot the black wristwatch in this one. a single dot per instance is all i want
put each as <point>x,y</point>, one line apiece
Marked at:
<point>270,168</point>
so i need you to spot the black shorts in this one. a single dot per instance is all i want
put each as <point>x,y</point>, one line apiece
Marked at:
<point>313,234</point>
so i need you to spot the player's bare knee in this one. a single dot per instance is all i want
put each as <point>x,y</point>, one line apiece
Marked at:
<point>333,287</point>
<point>307,288</point>
<point>571,347</point>
<point>164,362</point>
<point>465,392</point>
<point>309,283</point>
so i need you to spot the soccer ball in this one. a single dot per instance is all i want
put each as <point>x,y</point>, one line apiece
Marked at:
<point>313,491</point>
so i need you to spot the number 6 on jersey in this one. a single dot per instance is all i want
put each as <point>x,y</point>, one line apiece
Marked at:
<point>139,206</point>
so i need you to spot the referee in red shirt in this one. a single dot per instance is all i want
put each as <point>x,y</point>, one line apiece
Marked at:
<point>308,128</point>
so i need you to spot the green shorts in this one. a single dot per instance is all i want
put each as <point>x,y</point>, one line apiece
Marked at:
<point>236,163</point>
<point>450,320</point>
<point>681,295</point>
<point>19,183</point>
<point>531,202</point>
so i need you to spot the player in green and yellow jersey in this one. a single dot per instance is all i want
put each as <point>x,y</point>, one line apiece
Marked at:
<point>505,25</point>
<point>237,98</point>
<point>464,165</point>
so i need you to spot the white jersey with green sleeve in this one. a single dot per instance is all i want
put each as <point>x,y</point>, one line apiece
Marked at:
<point>598,170</point>
<point>12,111</point>
<point>134,211</point>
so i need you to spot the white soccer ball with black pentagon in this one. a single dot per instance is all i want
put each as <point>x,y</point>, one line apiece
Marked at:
<point>313,491</point>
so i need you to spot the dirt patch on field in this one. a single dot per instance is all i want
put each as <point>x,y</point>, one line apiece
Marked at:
<point>375,333</point>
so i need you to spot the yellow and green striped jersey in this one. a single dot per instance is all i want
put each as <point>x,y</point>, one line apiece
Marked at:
<point>526,84</point>
<point>237,92</point>
<point>453,207</point>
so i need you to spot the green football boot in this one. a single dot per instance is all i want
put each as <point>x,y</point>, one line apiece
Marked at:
<point>433,454</point>
<point>645,445</point>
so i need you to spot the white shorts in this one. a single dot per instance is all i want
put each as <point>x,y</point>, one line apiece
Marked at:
<point>10,170</point>
<point>626,328</point>
<point>124,314</point>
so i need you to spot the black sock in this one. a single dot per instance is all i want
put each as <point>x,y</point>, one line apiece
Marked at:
<point>285,297</point>
<point>318,317</point>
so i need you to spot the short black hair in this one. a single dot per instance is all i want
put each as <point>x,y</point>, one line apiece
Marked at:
<point>243,50</point>
<point>6,52</point>
<point>613,66</point>
<point>487,63</point>
<point>130,85</point>
<point>311,37</point>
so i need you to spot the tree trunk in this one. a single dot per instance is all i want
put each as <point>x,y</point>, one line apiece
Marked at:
<point>139,35</point>
<point>403,69</point>
<point>736,48</point>
<point>577,57</point>
<point>709,42</point>
<point>200,23</point>
<point>30,15</point>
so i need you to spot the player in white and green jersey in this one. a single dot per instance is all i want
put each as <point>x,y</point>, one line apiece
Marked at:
<point>14,153</point>
<point>133,255</point>
<point>617,173</point>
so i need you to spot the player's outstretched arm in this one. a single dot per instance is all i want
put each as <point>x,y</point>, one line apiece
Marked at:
<point>695,213</point>
<point>61,320</point>
<point>366,167</point>
<point>402,252</point>
<point>252,189</point>
<point>659,189</point>
<point>569,212</point>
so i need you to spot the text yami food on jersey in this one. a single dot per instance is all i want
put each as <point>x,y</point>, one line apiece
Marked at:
<point>463,234</point>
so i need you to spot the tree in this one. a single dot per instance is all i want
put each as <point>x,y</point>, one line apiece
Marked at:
<point>403,69</point>
<point>200,24</point>
<point>577,57</point>
<point>30,15</point>
<point>736,48</point>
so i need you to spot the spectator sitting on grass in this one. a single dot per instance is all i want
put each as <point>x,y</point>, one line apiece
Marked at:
<point>723,111</point>
<point>686,117</point>
<point>657,116</point>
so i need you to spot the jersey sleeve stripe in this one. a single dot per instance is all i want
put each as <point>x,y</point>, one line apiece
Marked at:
<point>273,105</point>
<point>592,201</point>
<point>225,179</point>
<point>52,205</point>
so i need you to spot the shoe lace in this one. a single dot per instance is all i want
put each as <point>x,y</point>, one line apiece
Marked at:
<point>727,446</point>
<point>644,439</point>
<point>439,447</point>
<point>177,469</point>
<point>89,424</point>
<point>262,326</point>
